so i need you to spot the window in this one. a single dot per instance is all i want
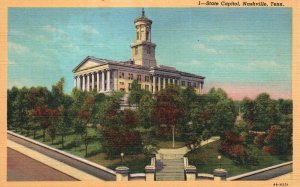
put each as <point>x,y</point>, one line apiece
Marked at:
<point>139,77</point>
<point>182,83</point>
<point>137,35</point>
<point>195,85</point>
<point>147,87</point>
<point>140,86</point>
<point>122,90</point>
<point>146,78</point>
<point>147,35</point>
<point>130,76</point>
<point>136,50</point>
<point>189,83</point>
<point>121,75</point>
<point>121,83</point>
<point>129,86</point>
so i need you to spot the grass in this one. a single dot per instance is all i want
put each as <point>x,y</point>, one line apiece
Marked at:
<point>169,144</point>
<point>136,163</point>
<point>205,159</point>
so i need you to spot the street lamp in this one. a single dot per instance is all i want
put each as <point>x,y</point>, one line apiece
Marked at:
<point>219,158</point>
<point>122,155</point>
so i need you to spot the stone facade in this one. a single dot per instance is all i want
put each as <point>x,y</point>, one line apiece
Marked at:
<point>106,76</point>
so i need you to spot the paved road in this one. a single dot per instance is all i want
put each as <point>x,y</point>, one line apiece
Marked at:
<point>23,168</point>
<point>266,175</point>
<point>65,159</point>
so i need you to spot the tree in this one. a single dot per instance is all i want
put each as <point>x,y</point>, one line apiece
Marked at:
<point>278,141</point>
<point>248,112</point>
<point>43,115</point>
<point>145,110</point>
<point>232,145</point>
<point>11,107</point>
<point>223,118</point>
<point>63,123</point>
<point>86,114</point>
<point>223,113</point>
<point>266,112</point>
<point>168,109</point>
<point>63,104</point>
<point>285,106</point>
<point>196,126</point>
<point>123,136</point>
<point>136,93</point>
<point>37,96</point>
<point>20,115</point>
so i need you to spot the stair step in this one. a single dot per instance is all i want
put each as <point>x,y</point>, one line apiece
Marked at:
<point>170,170</point>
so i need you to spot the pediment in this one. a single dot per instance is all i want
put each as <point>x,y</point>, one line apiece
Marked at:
<point>87,63</point>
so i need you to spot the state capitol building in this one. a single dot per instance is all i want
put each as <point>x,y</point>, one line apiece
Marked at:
<point>108,75</point>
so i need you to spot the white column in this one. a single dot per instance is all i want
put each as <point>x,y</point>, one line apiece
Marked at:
<point>102,80</point>
<point>75,82</point>
<point>112,77</point>
<point>164,82</point>
<point>201,88</point>
<point>108,80</point>
<point>83,83</point>
<point>88,83</point>
<point>78,83</point>
<point>98,82</point>
<point>154,84</point>
<point>158,89</point>
<point>116,80</point>
<point>93,81</point>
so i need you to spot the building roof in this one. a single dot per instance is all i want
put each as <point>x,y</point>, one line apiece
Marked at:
<point>143,18</point>
<point>131,65</point>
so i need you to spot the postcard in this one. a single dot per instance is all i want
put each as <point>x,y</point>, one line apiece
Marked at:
<point>111,93</point>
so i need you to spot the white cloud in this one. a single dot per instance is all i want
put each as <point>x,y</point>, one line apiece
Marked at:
<point>89,30</point>
<point>17,48</point>
<point>52,29</point>
<point>205,48</point>
<point>239,40</point>
<point>72,46</point>
<point>265,64</point>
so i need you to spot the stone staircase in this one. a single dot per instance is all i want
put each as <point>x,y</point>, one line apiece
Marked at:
<point>170,170</point>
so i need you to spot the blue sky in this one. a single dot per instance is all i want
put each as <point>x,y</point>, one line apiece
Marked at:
<point>244,51</point>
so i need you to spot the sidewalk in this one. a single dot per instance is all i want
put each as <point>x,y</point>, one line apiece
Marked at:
<point>60,166</point>
<point>180,152</point>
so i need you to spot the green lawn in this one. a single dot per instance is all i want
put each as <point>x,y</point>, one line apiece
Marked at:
<point>136,163</point>
<point>205,159</point>
<point>163,143</point>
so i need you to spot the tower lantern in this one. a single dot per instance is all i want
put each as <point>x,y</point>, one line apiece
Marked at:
<point>143,50</point>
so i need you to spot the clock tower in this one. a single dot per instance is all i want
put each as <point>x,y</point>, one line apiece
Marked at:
<point>143,50</point>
